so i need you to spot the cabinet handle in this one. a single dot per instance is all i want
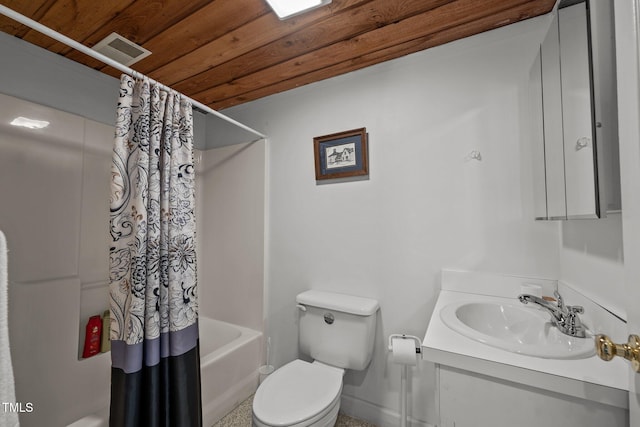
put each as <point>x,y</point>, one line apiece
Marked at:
<point>582,142</point>
<point>607,350</point>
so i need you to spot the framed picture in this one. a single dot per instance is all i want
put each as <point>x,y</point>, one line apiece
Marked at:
<point>341,155</point>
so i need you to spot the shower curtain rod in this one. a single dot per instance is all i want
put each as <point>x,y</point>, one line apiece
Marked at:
<point>10,13</point>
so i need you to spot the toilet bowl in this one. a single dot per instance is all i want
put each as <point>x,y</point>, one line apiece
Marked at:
<point>337,332</point>
<point>299,394</point>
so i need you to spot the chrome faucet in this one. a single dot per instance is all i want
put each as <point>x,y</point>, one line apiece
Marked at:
<point>564,317</point>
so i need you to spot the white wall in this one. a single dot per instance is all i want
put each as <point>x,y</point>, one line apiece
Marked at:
<point>54,191</point>
<point>592,261</point>
<point>34,74</point>
<point>424,207</point>
<point>230,209</point>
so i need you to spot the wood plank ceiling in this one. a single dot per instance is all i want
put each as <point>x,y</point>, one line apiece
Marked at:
<point>227,52</point>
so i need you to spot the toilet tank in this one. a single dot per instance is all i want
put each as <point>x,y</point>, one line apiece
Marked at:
<point>337,329</point>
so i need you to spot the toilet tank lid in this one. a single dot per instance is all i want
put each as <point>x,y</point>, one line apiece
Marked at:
<point>339,302</point>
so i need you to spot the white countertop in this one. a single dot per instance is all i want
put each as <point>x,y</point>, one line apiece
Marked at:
<point>589,378</point>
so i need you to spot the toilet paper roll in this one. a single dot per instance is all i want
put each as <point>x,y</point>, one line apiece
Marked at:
<point>403,351</point>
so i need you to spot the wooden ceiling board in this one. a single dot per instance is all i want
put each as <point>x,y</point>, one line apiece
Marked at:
<point>75,19</point>
<point>523,11</point>
<point>226,52</point>
<point>264,30</point>
<point>211,22</point>
<point>139,22</point>
<point>33,9</point>
<point>431,22</point>
<point>338,27</point>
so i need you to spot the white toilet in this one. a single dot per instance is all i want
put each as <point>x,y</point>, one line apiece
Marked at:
<point>338,332</point>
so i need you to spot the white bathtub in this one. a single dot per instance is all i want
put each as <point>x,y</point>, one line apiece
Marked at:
<point>229,359</point>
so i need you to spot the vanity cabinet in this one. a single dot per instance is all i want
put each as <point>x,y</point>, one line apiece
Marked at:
<point>574,115</point>
<point>469,399</point>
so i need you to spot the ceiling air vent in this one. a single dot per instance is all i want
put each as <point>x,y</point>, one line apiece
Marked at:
<point>119,49</point>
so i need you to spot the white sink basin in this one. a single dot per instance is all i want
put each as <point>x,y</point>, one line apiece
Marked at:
<point>514,328</point>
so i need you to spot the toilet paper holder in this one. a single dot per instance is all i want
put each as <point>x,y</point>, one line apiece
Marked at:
<point>416,340</point>
<point>404,374</point>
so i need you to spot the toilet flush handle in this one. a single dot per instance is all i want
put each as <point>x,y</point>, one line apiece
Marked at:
<point>301,307</point>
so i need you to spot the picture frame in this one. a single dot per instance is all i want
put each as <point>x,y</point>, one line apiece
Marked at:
<point>341,155</point>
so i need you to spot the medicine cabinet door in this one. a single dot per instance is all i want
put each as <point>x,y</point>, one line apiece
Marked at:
<point>552,118</point>
<point>581,179</point>
<point>536,132</point>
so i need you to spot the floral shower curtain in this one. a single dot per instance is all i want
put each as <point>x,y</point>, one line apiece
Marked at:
<point>155,374</point>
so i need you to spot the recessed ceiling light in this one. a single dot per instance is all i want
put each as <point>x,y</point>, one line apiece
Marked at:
<point>29,123</point>
<point>288,8</point>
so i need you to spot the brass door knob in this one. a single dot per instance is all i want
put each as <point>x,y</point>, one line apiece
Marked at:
<point>607,350</point>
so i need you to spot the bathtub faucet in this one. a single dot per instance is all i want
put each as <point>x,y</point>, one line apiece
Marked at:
<point>563,317</point>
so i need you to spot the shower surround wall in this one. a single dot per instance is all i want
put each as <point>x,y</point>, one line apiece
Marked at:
<point>54,212</point>
<point>230,203</point>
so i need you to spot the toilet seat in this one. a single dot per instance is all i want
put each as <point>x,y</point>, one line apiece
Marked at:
<point>299,394</point>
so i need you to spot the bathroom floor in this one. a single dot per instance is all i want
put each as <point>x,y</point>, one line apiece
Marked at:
<point>241,417</point>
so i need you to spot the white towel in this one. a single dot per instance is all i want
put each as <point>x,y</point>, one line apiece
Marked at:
<point>8,418</point>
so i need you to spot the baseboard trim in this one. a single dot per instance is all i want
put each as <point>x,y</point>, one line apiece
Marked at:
<point>372,413</point>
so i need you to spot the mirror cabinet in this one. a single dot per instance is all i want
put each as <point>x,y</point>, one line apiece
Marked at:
<point>574,116</point>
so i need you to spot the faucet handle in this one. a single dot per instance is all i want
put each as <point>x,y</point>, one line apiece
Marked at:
<point>576,309</point>
<point>573,324</point>
<point>558,297</point>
